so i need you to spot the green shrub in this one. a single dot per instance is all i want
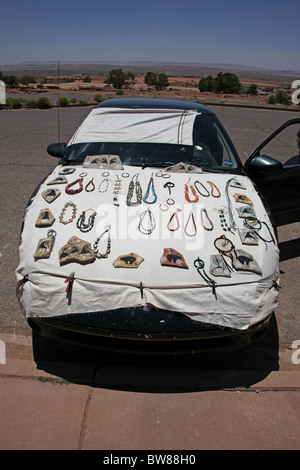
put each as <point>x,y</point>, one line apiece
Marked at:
<point>14,102</point>
<point>73,100</point>
<point>43,102</point>
<point>281,97</point>
<point>63,101</point>
<point>30,103</point>
<point>99,98</point>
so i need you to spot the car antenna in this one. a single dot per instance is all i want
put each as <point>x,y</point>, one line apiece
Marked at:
<point>58,114</point>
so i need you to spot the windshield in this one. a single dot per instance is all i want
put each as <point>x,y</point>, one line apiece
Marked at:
<point>212,149</point>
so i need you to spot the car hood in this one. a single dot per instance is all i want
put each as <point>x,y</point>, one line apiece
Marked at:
<point>177,267</point>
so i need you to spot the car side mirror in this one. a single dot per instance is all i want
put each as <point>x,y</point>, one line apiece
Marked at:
<point>263,165</point>
<point>56,149</point>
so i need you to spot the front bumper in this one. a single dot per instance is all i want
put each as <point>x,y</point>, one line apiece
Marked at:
<point>144,331</point>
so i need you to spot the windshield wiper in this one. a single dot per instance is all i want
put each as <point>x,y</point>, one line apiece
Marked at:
<point>145,164</point>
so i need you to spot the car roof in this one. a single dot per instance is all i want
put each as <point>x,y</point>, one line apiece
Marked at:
<point>153,104</point>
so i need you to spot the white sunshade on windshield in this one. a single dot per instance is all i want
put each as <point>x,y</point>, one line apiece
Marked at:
<point>169,126</point>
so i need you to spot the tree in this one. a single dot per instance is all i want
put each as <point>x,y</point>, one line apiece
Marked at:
<point>252,90</point>
<point>281,97</point>
<point>119,79</point>
<point>150,78</point>
<point>160,81</point>
<point>207,84</point>
<point>86,79</point>
<point>227,83</point>
<point>26,79</point>
<point>10,81</point>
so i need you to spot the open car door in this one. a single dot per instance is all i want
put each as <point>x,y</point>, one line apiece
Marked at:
<point>279,183</point>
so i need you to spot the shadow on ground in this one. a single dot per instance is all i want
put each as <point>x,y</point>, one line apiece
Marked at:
<point>190,372</point>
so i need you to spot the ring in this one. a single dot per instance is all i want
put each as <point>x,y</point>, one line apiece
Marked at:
<point>125,175</point>
<point>105,173</point>
<point>165,206</point>
<point>84,173</point>
<point>170,201</point>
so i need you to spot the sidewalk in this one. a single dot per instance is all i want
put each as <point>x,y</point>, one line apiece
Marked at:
<point>43,411</point>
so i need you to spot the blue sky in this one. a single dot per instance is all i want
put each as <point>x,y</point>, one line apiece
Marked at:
<point>254,33</point>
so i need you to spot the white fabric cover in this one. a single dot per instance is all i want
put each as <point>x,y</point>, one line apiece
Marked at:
<point>169,126</point>
<point>242,300</point>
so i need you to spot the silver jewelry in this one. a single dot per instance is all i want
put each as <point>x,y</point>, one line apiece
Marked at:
<point>151,225</point>
<point>108,247</point>
<point>105,180</point>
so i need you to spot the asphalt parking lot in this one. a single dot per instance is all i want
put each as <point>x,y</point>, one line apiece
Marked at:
<point>24,136</point>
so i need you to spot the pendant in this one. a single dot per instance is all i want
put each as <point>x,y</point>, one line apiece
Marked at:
<point>218,266</point>
<point>246,211</point>
<point>243,261</point>
<point>237,184</point>
<point>200,266</point>
<point>242,199</point>
<point>45,218</point>
<point>132,260</point>
<point>76,250</point>
<point>116,191</point>
<point>66,171</point>
<point>58,180</point>
<point>248,237</point>
<point>173,258</point>
<point>50,195</point>
<point>45,246</point>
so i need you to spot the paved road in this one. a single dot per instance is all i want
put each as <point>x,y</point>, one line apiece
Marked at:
<point>24,136</point>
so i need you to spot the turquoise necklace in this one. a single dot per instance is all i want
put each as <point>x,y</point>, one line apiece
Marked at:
<point>150,186</point>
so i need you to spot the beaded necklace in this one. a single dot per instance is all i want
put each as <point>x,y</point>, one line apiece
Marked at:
<point>207,191</point>
<point>74,210</point>
<point>79,181</point>
<point>150,186</point>
<point>186,192</point>
<point>92,186</point>
<point>86,227</point>
<point>105,180</point>
<point>214,187</point>
<point>204,212</point>
<point>134,186</point>
<point>108,246</point>
<point>190,217</point>
<point>174,215</point>
<point>151,225</point>
<point>116,191</point>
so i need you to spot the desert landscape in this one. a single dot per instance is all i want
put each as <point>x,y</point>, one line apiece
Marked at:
<point>85,83</point>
